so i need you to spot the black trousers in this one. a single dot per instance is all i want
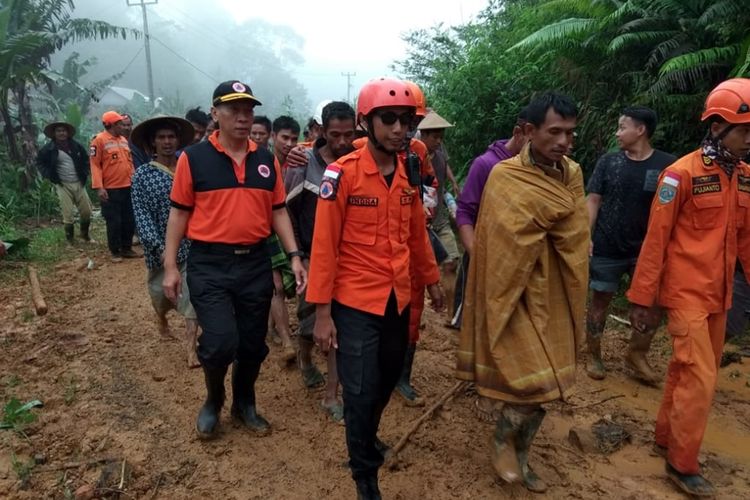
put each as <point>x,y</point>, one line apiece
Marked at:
<point>118,213</point>
<point>369,361</point>
<point>231,295</point>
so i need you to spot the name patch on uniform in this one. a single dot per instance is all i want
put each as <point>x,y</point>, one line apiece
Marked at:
<point>407,200</point>
<point>329,186</point>
<point>363,201</point>
<point>704,184</point>
<point>92,151</point>
<point>743,183</point>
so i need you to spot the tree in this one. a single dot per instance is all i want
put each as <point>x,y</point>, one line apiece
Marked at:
<point>30,32</point>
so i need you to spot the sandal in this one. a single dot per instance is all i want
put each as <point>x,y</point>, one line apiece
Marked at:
<point>335,411</point>
<point>311,377</point>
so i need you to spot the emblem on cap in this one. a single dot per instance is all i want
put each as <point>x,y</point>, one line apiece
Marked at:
<point>238,87</point>
<point>264,170</point>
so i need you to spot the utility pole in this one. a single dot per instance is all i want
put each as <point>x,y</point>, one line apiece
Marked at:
<point>149,74</point>
<point>348,85</point>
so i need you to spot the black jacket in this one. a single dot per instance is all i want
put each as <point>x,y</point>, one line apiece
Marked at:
<point>46,160</point>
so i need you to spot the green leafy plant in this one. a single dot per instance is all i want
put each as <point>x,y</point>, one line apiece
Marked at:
<point>22,469</point>
<point>17,415</point>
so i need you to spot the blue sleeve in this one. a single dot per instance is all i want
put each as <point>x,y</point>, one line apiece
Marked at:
<point>148,226</point>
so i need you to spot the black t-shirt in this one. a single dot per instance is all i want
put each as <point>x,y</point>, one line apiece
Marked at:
<point>627,188</point>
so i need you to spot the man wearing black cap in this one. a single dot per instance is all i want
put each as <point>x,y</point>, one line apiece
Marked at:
<point>65,163</point>
<point>160,138</point>
<point>227,197</point>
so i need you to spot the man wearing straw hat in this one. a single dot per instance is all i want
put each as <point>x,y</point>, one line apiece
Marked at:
<point>161,138</point>
<point>65,163</point>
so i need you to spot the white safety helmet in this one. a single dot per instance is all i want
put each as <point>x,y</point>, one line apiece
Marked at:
<point>318,116</point>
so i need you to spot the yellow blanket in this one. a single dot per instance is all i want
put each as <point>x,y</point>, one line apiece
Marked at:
<point>528,276</point>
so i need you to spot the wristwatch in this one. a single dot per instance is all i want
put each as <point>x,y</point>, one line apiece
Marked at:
<point>296,253</point>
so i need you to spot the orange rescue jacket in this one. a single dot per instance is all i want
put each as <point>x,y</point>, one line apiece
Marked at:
<point>365,236</point>
<point>111,163</point>
<point>698,227</point>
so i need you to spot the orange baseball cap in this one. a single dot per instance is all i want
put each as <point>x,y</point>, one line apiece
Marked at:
<point>111,117</point>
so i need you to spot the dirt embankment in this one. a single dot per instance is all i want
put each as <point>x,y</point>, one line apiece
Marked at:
<point>112,389</point>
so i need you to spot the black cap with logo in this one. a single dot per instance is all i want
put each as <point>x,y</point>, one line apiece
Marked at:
<point>233,90</point>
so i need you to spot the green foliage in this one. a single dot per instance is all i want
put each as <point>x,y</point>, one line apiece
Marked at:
<point>17,415</point>
<point>607,54</point>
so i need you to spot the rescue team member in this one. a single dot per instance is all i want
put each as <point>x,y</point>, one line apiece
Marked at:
<point>699,226</point>
<point>65,163</point>
<point>161,138</point>
<point>369,226</point>
<point>217,184</point>
<point>302,186</point>
<point>523,322</point>
<point>111,171</point>
<point>620,193</point>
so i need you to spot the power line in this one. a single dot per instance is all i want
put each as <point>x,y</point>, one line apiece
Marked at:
<point>196,68</point>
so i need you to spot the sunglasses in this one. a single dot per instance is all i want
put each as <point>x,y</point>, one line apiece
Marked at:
<point>390,117</point>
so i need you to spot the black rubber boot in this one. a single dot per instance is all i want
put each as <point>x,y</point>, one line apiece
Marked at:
<point>523,441</point>
<point>208,417</point>
<point>404,387</point>
<point>69,232</point>
<point>692,484</point>
<point>85,225</point>
<point>244,375</point>
<point>367,488</point>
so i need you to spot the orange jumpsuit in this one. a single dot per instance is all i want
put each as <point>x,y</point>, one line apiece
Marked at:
<point>698,227</point>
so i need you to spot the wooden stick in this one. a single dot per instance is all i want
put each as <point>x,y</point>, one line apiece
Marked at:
<point>425,416</point>
<point>620,320</point>
<point>599,402</point>
<point>36,293</point>
<point>74,465</point>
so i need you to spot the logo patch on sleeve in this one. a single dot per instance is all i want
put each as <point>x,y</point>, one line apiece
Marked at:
<point>363,201</point>
<point>92,151</point>
<point>667,193</point>
<point>743,183</point>
<point>704,184</point>
<point>329,185</point>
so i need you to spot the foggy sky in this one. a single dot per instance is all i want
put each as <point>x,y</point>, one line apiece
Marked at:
<point>292,48</point>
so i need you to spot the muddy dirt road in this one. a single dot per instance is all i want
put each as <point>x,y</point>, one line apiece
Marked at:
<point>113,390</point>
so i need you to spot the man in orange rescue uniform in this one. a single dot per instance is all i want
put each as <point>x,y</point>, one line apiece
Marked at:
<point>111,171</point>
<point>699,225</point>
<point>369,226</point>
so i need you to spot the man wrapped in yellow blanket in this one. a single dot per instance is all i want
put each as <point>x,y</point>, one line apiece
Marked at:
<point>526,294</point>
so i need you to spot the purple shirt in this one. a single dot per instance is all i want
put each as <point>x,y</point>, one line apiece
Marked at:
<point>479,172</point>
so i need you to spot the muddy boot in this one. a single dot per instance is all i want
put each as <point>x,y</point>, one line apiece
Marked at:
<point>504,457</point>
<point>85,225</point>
<point>636,360</point>
<point>692,484</point>
<point>69,233</point>
<point>404,387</point>
<point>523,441</point>
<point>594,364</point>
<point>208,417</point>
<point>244,375</point>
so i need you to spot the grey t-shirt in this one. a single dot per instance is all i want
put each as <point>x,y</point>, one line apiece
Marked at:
<point>66,169</point>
